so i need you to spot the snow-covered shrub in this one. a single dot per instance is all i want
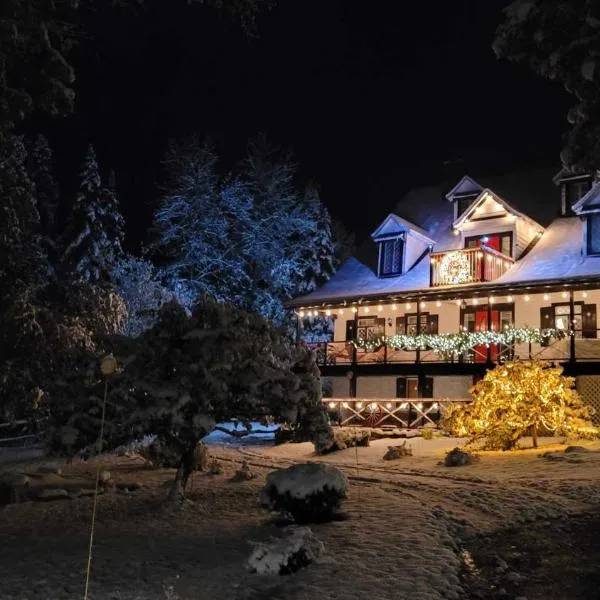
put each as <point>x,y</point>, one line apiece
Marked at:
<point>396,452</point>
<point>286,555</point>
<point>309,492</point>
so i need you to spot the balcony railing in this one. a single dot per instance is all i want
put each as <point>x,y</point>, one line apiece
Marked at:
<point>471,265</point>
<point>569,349</point>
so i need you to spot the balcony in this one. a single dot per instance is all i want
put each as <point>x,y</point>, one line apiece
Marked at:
<point>471,265</point>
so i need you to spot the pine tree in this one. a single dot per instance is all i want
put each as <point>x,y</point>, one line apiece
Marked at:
<point>46,193</point>
<point>94,233</point>
<point>23,263</point>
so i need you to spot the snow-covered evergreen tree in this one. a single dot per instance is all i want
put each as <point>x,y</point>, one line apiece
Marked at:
<point>138,283</point>
<point>94,233</point>
<point>560,41</point>
<point>252,240</point>
<point>46,193</point>
<point>23,263</point>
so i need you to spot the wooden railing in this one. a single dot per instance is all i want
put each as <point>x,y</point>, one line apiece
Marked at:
<point>471,265</point>
<point>569,349</point>
<point>406,413</point>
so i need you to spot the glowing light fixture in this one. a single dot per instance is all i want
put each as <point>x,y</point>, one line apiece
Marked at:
<point>423,305</point>
<point>584,294</point>
<point>332,405</point>
<point>394,307</point>
<point>455,231</point>
<point>408,306</point>
<point>388,405</point>
<point>354,309</point>
<point>359,405</point>
<point>301,314</point>
<point>380,308</point>
<point>491,300</point>
<point>509,298</point>
<point>367,309</point>
<point>475,302</point>
<point>328,312</point>
<point>546,297</point>
<point>527,298</point>
<point>438,303</point>
<point>565,294</point>
<point>341,311</point>
<point>345,404</point>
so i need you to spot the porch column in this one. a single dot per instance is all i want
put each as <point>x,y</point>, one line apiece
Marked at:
<point>489,328</point>
<point>418,353</point>
<point>572,326</point>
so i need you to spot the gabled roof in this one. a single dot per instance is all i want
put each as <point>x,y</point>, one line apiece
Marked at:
<point>466,186</point>
<point>565,174</point>
<point>485,193</point>
<point>394,225</point>
<point>590,202</point>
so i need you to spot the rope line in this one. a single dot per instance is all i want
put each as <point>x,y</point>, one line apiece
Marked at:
<point>98,450</point>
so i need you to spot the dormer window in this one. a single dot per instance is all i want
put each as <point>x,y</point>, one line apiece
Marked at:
<point>390,257</point>
<point>593,233</point>
<point>575,189</point>
<point>463,202</point>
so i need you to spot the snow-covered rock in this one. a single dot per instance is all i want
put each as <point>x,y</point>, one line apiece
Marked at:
<point>298,548</point>
<point>307,491</point>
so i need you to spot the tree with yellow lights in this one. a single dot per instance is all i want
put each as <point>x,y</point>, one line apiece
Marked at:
<point>517,399</point>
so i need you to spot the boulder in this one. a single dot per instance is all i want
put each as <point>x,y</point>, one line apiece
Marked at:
<point>459,458</point>
<point>14,488</point>
<point>298,548</point>
<point>576,450</point>
<point>396,452</point>
<point>243,473</point>
<point>309,492</point>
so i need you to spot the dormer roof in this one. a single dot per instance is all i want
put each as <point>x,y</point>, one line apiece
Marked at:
<point>393,226</point>
<point>589,202</point>
<point>465,187</point>
<point>488,195</point>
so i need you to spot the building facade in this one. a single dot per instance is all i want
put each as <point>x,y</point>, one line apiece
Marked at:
<point>455,282</point>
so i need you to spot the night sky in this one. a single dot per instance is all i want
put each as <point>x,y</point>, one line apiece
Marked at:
<point>372,97</point>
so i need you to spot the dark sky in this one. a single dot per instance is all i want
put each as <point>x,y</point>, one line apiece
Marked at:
<point>372,97</point>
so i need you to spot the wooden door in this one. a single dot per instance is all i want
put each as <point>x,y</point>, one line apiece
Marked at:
<point>481,323</point>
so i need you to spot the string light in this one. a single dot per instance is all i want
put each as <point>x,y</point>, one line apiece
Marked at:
<point>354,309</point>
<point>301,314</point>
<point>345,404</point>
<point>438,303</point>
<point>546,297</point>
<point>367,309</point>
<point>388,405</point>
<point>332,405</point>
<point>359,405</point>
<point>458,302</point>
<point>455,268</point>
<point>455,344</point>
<point>408,306</point>
<point>423,305</point>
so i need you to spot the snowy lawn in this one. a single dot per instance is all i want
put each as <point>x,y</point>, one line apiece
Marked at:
<point>408,520</point>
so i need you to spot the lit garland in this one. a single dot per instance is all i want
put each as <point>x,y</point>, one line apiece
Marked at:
<point>455,268</point>
<point>455,344</point>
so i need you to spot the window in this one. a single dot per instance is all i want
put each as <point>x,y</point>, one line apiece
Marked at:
<point>574,190</point>
<point>593,233</point>
<point>502,242</point>
<point>558,316</point>
<point>407,325</point>
<point>370,328</point>
<point>463,202</point>
<point>390,257</point>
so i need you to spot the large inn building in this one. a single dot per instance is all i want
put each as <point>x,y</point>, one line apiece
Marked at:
<point>484,256</point>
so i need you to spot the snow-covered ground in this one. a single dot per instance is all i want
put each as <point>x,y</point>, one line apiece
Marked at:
<point>402,538</point>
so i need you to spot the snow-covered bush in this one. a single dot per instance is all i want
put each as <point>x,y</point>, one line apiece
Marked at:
<point>309,492</point>
<point>286,555</point>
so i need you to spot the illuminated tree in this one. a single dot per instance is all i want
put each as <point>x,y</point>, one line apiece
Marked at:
<point>517,399</point>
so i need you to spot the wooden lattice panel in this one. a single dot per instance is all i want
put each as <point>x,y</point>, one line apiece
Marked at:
<point>589,388</point>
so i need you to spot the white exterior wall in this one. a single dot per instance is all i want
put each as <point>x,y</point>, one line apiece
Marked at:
<point>376,386</point>
<point>452,386</point>
<point>414,248</point>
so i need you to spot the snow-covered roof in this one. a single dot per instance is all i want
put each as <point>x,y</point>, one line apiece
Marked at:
<point>558,253</point>
<point>485,193</point>
<point>466,186</point>
<point>393,225</point>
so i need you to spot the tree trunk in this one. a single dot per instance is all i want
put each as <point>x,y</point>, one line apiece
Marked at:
<point>186,466</point>
<point>534,435</point>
